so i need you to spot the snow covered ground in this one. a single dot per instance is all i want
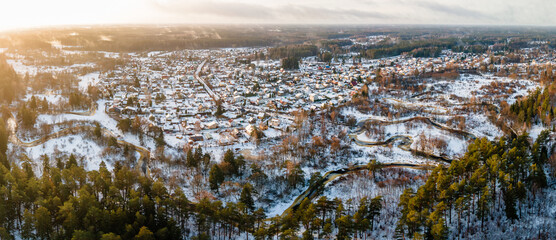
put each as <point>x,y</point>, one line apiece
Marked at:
<point>470,85</point>
<point>22,67</point>
<point>104,120</point>
<point>88,79</point>
<point>52,98</point>
<point>480,126</point>
<point>385,154</point>
<point>535,131</point>
<point>359,116</point>
<point>85,150</point>
<point>99,116</point>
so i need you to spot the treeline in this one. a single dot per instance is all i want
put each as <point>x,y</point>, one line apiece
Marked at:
<point>427,48</point>
<point>547,76</point>
<point>293,51</point>
<point>538,107</point>
<point>420,48</point>
<point>229,167</point>
<point>326,218</point>
<point>476,48</point>
<point>10,83</point>
<point>30,43</point>
<point>28,112</point>
<point>141,127</point>
<point>491,175</point>
<point>138,39</point>
<point>78,100</point>
<point>63,81</point>
<point>327,44</point>
<point>129,40</point>
<point>4,136</point>
<point>426,52</point>
<point>68,202</point>
<point>290,63</point>
<point>26,116</point>
<point>336,46</point>
<point>178,44</point>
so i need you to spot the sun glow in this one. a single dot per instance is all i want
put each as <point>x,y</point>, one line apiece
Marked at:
<point>18,14</point>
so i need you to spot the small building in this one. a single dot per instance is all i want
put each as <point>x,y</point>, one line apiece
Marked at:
<point>249,129</point>
<point>196,138</point>
<point>212,125</point>
<point>274,122</point>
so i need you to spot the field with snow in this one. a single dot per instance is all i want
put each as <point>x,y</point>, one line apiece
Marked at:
<point>86,151</point>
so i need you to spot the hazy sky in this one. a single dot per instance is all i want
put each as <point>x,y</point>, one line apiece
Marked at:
<point>31,13</point>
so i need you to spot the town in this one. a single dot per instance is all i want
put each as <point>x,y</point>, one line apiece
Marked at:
<point>360,123</point>
<point>218,97</point>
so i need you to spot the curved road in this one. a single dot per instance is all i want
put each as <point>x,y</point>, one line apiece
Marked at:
<point>406,141</point>
<point>144,152</point>
<point>427,120</point>
<point>314,190</point>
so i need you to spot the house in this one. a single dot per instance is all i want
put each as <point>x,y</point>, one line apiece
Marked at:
<point>129,110</point>
<point>196,138</point>
<point>249,129</point>
<point>274,122</point>
<point>212,125</point>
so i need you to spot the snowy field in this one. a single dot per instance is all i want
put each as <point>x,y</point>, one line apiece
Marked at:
<point>88,79</point>
<point>386,154</point>
<point>86,151</point>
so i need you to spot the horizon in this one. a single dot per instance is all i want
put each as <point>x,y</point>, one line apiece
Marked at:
<point>322,25</point>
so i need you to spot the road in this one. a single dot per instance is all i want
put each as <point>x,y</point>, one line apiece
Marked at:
<point>141,162</point>
<point>406,141</point>
<point>209,90</point>
<point>462,133</point>
<point>313,190</point>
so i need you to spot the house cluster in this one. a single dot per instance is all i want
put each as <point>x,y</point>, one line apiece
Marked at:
<point>234,95</point>
<point>252,96</point>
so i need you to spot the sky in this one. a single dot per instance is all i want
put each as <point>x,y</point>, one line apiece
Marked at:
<point>17,14</point>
